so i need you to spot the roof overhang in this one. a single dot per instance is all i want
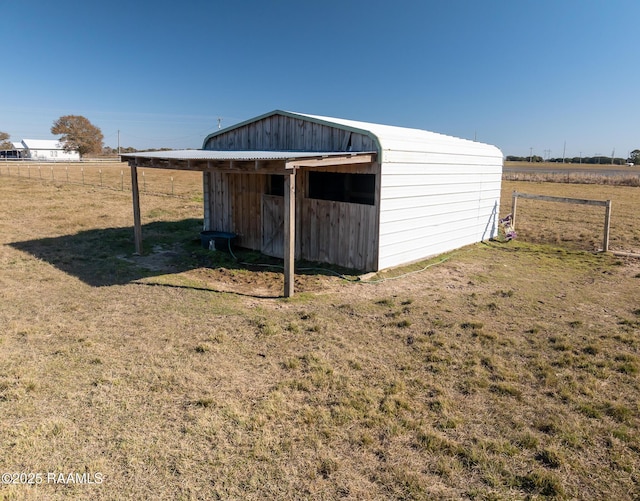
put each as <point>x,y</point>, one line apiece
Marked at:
<point>210,160</point>
<point>284,163</point>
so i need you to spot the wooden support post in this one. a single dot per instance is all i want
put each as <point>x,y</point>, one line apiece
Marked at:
<point>514,201</point>
<point>289,231</point>
<point>607,222</point>
<point>206,197</point>
<point>137,225</point>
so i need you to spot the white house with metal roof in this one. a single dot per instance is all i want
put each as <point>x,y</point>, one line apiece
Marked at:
<point>50,150</point>
<point>360,195</point>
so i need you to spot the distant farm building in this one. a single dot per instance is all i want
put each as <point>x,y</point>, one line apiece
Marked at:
<point>360,195</point>
<point>41,149</point>
<point>14,153</point>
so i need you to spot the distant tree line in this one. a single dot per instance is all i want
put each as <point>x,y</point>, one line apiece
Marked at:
<point>534,158</point>
<point>108,151</point>
<point>603,160</point>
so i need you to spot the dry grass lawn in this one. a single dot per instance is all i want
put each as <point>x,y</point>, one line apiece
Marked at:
<point>501,371</point>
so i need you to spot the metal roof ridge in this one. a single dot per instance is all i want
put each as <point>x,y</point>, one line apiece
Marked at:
<point>203,154</point>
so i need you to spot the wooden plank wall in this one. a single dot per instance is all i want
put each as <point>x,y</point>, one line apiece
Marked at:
<point>337,232</point>
<point>341,233</point>
<point>326,231</point>
<point>279,132</point>
<point>235,206</point>
<point>272,226</point>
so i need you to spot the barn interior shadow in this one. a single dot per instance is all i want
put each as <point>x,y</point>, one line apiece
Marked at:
<point>102,257</point>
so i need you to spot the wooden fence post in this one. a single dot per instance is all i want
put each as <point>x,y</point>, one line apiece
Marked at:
<point>514,200</point>
<point>607,223</point>
<point>137,224</point>
<point>578,201</point>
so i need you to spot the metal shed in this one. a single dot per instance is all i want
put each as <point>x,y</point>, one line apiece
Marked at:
<point>355,194</point>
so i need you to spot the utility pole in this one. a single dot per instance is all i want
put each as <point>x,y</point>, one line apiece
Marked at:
<point>564,149</point>
<point>118,141</point>
<point>531,154</point>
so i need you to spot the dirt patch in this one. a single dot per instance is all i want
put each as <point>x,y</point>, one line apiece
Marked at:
<point>159,259</point>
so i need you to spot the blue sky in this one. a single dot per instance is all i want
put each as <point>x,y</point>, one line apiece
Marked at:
<point>519,74</point>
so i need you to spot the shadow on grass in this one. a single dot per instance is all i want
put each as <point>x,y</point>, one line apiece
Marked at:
<point>104,257</point>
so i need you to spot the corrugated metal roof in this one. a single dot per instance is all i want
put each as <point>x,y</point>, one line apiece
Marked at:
<point>394,138</point>
<point>390,138</point>
<point>237,155</point>
<point>43,144</point>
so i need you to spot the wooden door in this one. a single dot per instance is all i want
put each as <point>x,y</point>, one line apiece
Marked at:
<point>272,226</point>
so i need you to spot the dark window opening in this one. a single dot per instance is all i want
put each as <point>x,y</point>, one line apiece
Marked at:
<point>275,185</point>
<point>339,187</point>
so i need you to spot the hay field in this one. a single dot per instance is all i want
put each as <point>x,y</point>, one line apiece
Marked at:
<point>506,371</point>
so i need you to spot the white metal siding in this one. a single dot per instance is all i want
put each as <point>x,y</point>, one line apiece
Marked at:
<point>437,192</point>
<point>434,202</point>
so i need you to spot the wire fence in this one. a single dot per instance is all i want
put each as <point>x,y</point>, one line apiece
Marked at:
<point>112,175</point>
